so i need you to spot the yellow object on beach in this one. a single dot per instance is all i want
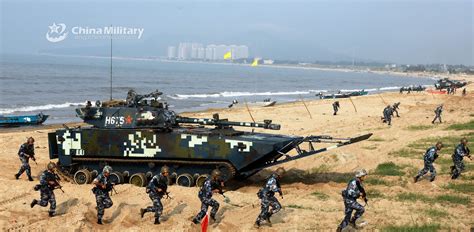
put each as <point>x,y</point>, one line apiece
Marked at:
<point>254,63</point>
<point>228,56</point>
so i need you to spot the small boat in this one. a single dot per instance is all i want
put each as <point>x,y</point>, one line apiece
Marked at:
<point>269,103</point>
<point>342,95</point>
<point>22,120</point>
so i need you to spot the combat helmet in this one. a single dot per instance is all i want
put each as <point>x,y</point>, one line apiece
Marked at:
<point>51,166</point>
<point>30,138</point>
<point>280,171</point>
<point>361,173</point>
<point>165,169</point>
<point>216,173</point>
<point>107,169</point>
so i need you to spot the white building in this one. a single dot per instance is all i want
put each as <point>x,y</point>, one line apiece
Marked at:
<point>171,52</point>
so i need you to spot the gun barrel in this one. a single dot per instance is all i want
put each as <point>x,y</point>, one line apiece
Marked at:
<point>213,122</point>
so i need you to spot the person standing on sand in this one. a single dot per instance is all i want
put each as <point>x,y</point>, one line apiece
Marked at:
<point>429,158</point>
<point>268,199</point>
<point>335,107</point>
<point>460,151</point>
<point>211,185</point>
<point>48,182</point>
<point>27,151</point>
<point>101,191</point>
<point>464,92</point>
<point>350,195</point>
<point>438,112</point>
<point>156,189</point>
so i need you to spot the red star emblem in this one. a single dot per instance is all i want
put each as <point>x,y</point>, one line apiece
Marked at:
<point>128,119</point>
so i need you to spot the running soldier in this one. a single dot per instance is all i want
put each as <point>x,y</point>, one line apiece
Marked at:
<point>26,152</point>
<point>49,181</point>
<point>438,112</point>
<point>268,199</point>
<point>211,185</point>
<point>101,191</point>
<point>395,109</point>
<point>460,151</point>
<point>429,158</point>
<point>387,115</point>
<point>156,189</point>
<point>353,191</point>
<point>335,107</point>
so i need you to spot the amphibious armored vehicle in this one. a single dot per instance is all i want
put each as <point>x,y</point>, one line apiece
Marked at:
<point>140,135</point>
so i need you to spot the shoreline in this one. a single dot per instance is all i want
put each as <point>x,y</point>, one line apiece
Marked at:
<point>344,70</point>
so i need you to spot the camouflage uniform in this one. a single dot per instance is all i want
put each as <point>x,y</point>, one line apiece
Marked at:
<point>267,198</point>
<point>102,196</point>
<point>387,115</point>
<point>46,191</point>
<point>353,191</point>
<point>26,152</point>
<point>335,106</point>
<point>430,156</point>
<point>205,195</point>
<point>459,152</point>
<point>395,108</point>
<point>158,181</point>
<point>438,112</point>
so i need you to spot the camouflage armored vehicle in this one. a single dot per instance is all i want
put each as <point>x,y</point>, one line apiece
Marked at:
<point>447,83</point>
<point>140,135</point>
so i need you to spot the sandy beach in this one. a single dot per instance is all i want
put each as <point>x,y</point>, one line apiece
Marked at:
<point>311,187</point>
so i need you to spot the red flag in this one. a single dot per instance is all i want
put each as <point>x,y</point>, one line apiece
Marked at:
<point>205,223</point>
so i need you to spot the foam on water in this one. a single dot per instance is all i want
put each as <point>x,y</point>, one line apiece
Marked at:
<point>38,108</point>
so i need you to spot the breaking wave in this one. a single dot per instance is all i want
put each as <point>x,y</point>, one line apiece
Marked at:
<point>38,108</point>
<point>241,94</point>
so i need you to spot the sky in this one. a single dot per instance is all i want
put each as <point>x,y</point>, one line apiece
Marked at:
<point>398,31</point>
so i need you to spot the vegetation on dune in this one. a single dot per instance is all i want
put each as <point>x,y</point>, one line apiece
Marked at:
<point>445,198</point>
<point>389,169</point>
<point>374,193</point>
<point>462,126</point>
<point>406,153</point>
<point>419,127</point>
<point>412,228</point>
<point>320,196</point>
<point>436,213</point>
<point>461,187</point>
<point>371,180</point>
<point>372,147</point>
<point>376,139</point>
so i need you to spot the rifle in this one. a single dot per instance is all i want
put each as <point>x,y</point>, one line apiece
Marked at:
<point>58,185</point>
<point>168,195</point>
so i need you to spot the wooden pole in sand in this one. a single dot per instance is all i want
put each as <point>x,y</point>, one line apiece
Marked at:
<point>382,99</point>
<point>353,104</point>
<point>306,107</point>
<point>248,110</point>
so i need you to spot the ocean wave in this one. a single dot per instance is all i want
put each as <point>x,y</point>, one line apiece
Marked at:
<point>38,108</point>
<point>241,94</point>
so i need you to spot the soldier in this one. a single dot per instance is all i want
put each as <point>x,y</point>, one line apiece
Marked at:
<point>48,182</point>
<point>387,115</point>
<point>430,156</point>
<point>395,108</point>
<point>460,151</point>
<point>101,190</point>
<point>156,189</point>
<point>267,197</point>
<point>464,92</point>
<point>438,112</point>
<point>27,151</point>
<point>211,185</point>
<point>353,191</point>
<point>335,106</point>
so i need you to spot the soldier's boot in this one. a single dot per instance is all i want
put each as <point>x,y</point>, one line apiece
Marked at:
<point>339,229</point>
<point>157,220</point>
<point>51,214</point>
<point>195,221</point>
<point>142,212</point>
<point>353,224</point>
<point>432,178</point>
<point>99,221</point>
<point>452,170</point>
<point>213,217</point>
<point>30,178</point>
<point>416,178</point>
<point>267,218</point>
<point>257,223</point>
<point>17,176</point>
<point>33,203</point>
